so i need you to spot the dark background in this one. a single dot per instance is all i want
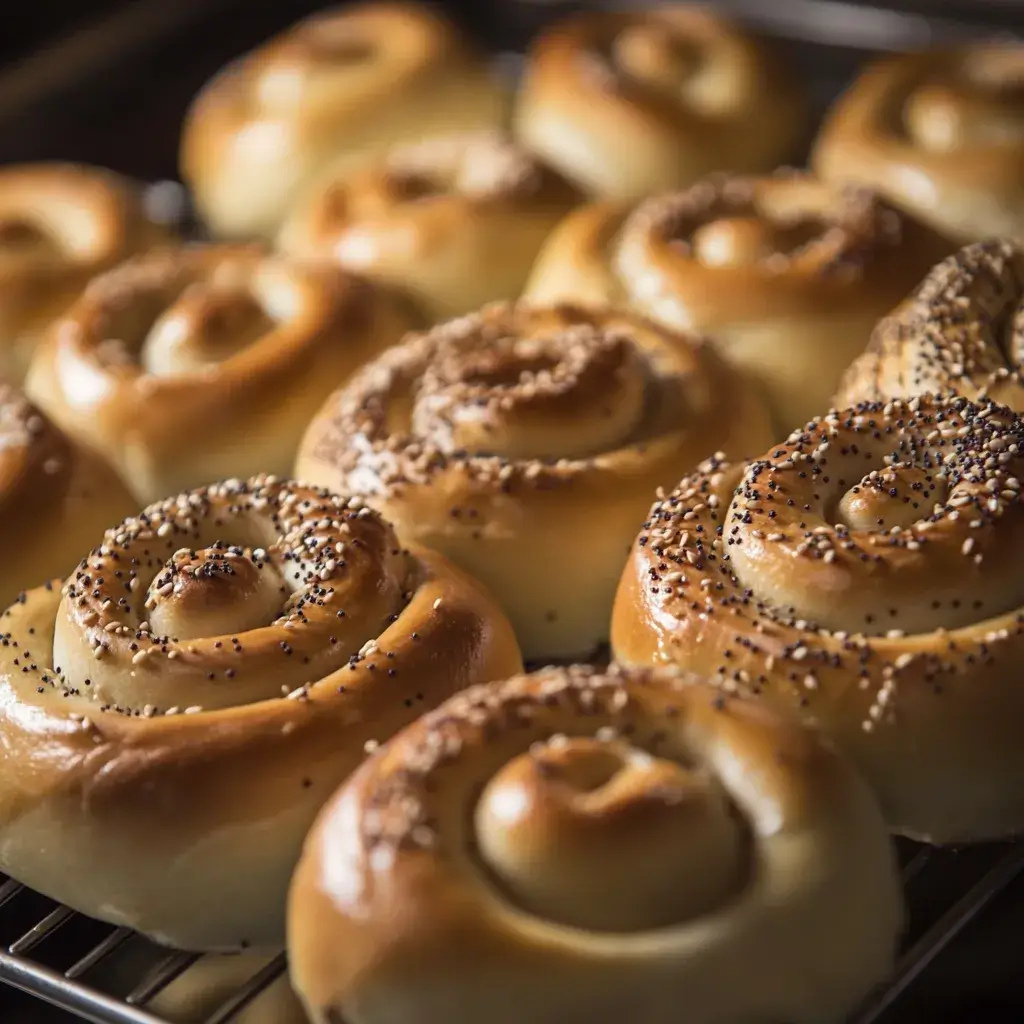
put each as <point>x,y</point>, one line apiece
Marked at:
<point>108,82</point>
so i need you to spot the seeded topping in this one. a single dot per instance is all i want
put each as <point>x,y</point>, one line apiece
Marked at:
<point>481,166</point>
<point>780,225</point>
<point>178,603</point>
<point>35,457</point>
<point>962,330</point>
<point>511,397</point>
<point>862,532</point>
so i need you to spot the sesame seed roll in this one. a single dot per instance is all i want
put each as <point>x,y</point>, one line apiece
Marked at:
<point>961,330</point>
<point>60,225</point>
<point>337,88</point>
<point>172,717</point>
<point>195,363</point>
<point>863,573</point>
<point>940,133</point>
<point>451,223</point>
<point>632,102</point>
<point>524,443</point>
<point>583,846</point>
<point>786,275</point>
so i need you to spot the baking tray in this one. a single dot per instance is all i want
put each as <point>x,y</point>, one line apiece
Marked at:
<point>113,92</point>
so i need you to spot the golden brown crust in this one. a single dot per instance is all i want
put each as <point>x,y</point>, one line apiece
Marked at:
<point>60,225</point>
<point>938,133</point>
<point>149,776</point>
<point>787,276</point>
<point>631,103</point>
<point>198,363</point>
<point>524,443</point>
<point>340,87</point>
<point>961,330</point>
<point>864,573</point>
<point>576,845</point>
<point>453,222</point>
<point>54,497</point>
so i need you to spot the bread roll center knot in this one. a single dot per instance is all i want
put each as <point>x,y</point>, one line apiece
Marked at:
<point>565,395</point>
<point>219,590</point>
<point>601,835</point>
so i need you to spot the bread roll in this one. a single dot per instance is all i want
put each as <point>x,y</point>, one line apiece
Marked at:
<point>941,134</point>
<point>866,574</point>
<point>524,444</point>
<point>628,103</point>
<point>172,718</point>
<point>960,331</point>
<point>54,497</point>
<point>60,225</point>
<point>452,223</point>
<point>340,87</point>
<point>196,363</point>
<point>578,846</point>
<point>786,275</point>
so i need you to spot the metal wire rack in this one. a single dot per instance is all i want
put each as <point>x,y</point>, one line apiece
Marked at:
<point>945,889</point>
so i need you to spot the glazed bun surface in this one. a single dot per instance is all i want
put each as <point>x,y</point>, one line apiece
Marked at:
<point>60,225</point>
<point>452,222</point>
<point>865,574</point>
<point>339,88</point>
<point>172,718</point>
<point>584,846</point>
<point>961,330</point>
<point>55,497</point>
<point>786,275</point>
<point>941,134</point>
<point>203,362</point>
<point>524,443</point>
<point>631,103</point>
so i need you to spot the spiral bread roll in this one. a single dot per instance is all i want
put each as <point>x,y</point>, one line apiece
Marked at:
<point>863,573</point>
<point>54,497</point>
<point>579,846</point>
<point>60,225</point>
<point>628,103</point>
<point>941,134</point>
<point>962,330</point>
<point>524,444</point>
<point>786,275</point>
<point>174,716</point>
<point>338,88</point>
<point>196,363</point>
<point>453,222</point>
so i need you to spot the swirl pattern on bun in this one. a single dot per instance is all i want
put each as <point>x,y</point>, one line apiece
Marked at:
<point>453,222</point>
<point>54,497</point>
<point>198,363</point>
<point>941,134</point>
<point>786,275</point>
<point>962,330</point>
<point>172,718</point>
<point>864,573</point>
<point>575,845</point>
<point>337,89</point>
<point>628,103</point>
<point>60,225</point>
<point>524,443</point>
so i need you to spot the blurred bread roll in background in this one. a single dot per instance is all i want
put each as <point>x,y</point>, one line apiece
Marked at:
<point>60,225</point>
<point>628,103</point>
<point>940,134</point>
<point>340,88</point>
<point>201,362</point>
<point>452,222</point>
